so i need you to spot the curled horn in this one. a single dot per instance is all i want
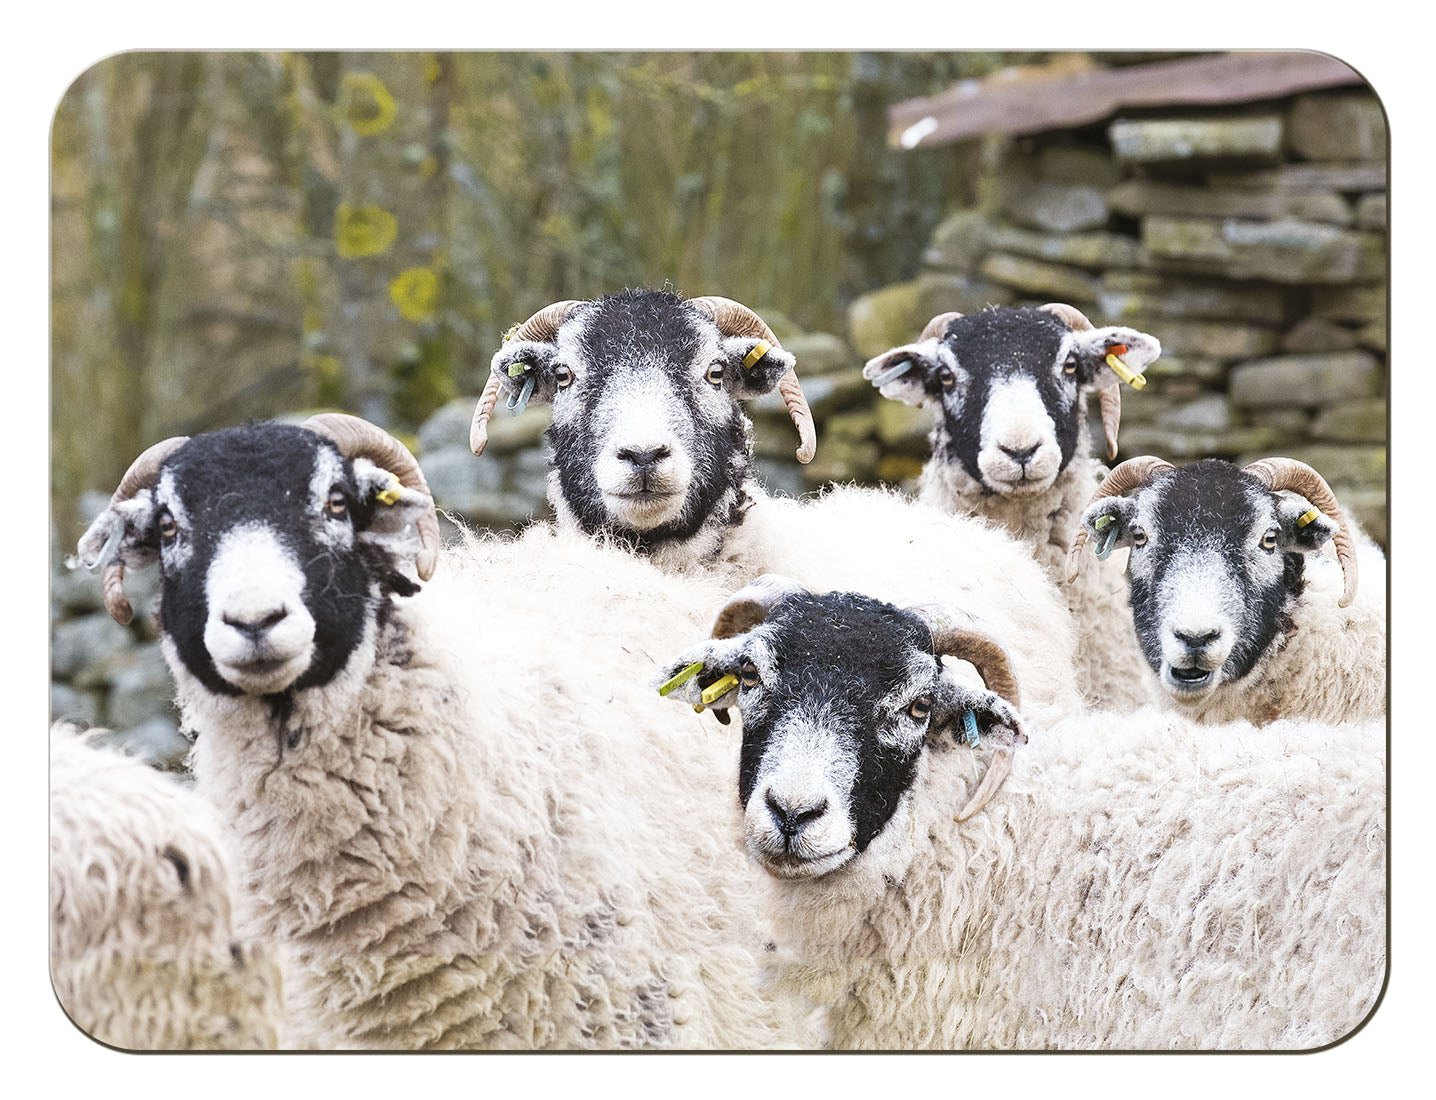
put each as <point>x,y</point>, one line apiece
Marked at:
<point>1109,396</point>
<point>989,658</point>
<point>938,325</point>
<point>543,327</point>
<point>143,473</point>
<point>735,319</point>
<point>357,438</point>
<point>1124,477</point>
<point>750,605</point>
<point>1287,473</point>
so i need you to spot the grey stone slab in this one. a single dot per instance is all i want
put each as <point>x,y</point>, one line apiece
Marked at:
<point>1346,126</point>
<point>1165,140</point>
<point>1308,381</point>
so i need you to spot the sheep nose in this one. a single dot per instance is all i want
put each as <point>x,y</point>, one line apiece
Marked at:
<point>1197,640</point>
<point>791,819</point>
<point>642,460</point>
<point>1020,455</point>
<point>256,625</point>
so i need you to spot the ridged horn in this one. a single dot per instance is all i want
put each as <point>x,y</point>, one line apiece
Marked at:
<point>986,655</point>
<point>735,319</point>
<point>543,327</point>
<point>1124,477</point>
<point>938,325</point>
<point>1110,396</point>
<point>750,605</point>
<point>144,473</point>
<point>357,438</point>
<point>1287,473</point>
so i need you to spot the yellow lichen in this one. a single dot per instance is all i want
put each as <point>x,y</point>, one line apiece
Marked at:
<point>365,104</point>
<point>363,230</point>
<point>416,292</point>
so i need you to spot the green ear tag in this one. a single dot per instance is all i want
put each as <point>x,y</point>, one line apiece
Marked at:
<point>1102,521</point>
<point>517,367</point>
<point>684,675</point>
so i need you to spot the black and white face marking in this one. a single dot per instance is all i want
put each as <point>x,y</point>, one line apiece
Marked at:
<point>838,693</point>
<point>1009,385</point>
<point>272,552</point>
<point>648,438</point>
<point>1216,567</point>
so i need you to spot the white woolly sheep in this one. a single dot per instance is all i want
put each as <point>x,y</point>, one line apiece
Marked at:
<point>461,813</point>
<point>143,949</point>
<point>1236,605</point>
<point>1008,391</point>
<point>1140,882</point>
<point>650,446</point>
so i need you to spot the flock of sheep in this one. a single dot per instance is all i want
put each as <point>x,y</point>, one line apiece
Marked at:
<point>987,790</point>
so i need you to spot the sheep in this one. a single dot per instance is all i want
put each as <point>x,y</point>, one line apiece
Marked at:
<point>1008,389</point>
<point>1139,882</point>
<point>1238,611</point>
<point>650,447</point>
<point>458,810</point>
<point>143,950</point>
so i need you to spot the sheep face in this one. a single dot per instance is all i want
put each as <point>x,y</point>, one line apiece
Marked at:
<point>1216,567</point>
<point>274,550</point>
<point>1008,387</point>
<point>838,694</point>
<point>648,439</point>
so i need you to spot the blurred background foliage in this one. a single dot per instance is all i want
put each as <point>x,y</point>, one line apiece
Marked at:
<point>243,234</point>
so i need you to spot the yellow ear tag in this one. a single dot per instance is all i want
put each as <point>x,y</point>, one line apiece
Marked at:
<point>1125,373</point>
<point>392,494</point>
<point>1308,517</point>
<point>517,368</point>
<point>719,688</point>
<point>682,677</point>
<point>760,349</point>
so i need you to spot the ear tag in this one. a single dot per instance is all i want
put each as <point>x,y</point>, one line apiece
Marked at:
<point>1121,370</point>
<point>880,380</point>
<point>517,404</point>
<point>109,550</point>
<point>1308,517</point>
<point>718,688</point>
<point>392,494</point>
<point>969,726</point>
<point>683,676</point>
<point>517,367</point>
<point>1103,550</point>
<point>760,349</point>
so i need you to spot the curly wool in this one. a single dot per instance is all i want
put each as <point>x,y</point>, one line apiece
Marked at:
<point>495,836</point>
<point>1140,883</point>
<point>1046,523</point>
<point>143,952</point>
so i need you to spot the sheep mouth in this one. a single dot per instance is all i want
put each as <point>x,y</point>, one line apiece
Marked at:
<point>264,675</point>
<point>789,865</point>
<point>1190,680</point>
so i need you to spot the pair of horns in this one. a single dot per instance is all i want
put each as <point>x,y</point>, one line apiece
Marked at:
<point>354,437</point>
<point>748,607</point>
<point>732,318</point>
<point>1110,396</point>
<point>1276,474</point>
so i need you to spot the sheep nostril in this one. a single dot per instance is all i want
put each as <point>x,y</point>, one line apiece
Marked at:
<point>258,625</point>
<point>1197,641</point>
<point>643,459</point>
<point>790,820</point>
<point>1020,455</point>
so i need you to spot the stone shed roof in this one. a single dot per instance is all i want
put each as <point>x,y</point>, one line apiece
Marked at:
<point>1008,103</point>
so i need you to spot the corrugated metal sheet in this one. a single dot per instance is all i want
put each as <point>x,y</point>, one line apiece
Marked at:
<point>1007,103</point>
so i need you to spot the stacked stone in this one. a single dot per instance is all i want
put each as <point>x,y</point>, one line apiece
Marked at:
<point>105,674</point>
<point>1252,244</point>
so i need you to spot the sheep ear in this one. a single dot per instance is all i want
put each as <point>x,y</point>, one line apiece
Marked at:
<point>1300,526</point>
<point>124,531</point>
<point>719,657</point>
<point>518,362</point>
<point>1089,348</point>
<point>903,374</point>
<point>1100,517</point>
<point>998,722</point>
<point>394,510</point>
<point>752,367</point>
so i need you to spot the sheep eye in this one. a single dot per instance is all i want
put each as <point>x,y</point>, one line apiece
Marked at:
<point>337,506</point>
<point>563,376</point>
<point>748,674</point>
<point>714,374</point>
<point>945,376</point>
<point>920,707</point>
<point>168,528</point>
<point>1268,540</point>
<point>1139,537</point>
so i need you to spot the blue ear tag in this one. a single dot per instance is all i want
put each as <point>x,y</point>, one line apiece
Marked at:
<point>880,380</point>
<point>1103,549</point>
<point>969,725</point>
<point>109,550</point>
<point>517,404</point>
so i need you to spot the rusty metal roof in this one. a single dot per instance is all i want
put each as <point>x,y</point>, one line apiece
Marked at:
<point>1029,102</point>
